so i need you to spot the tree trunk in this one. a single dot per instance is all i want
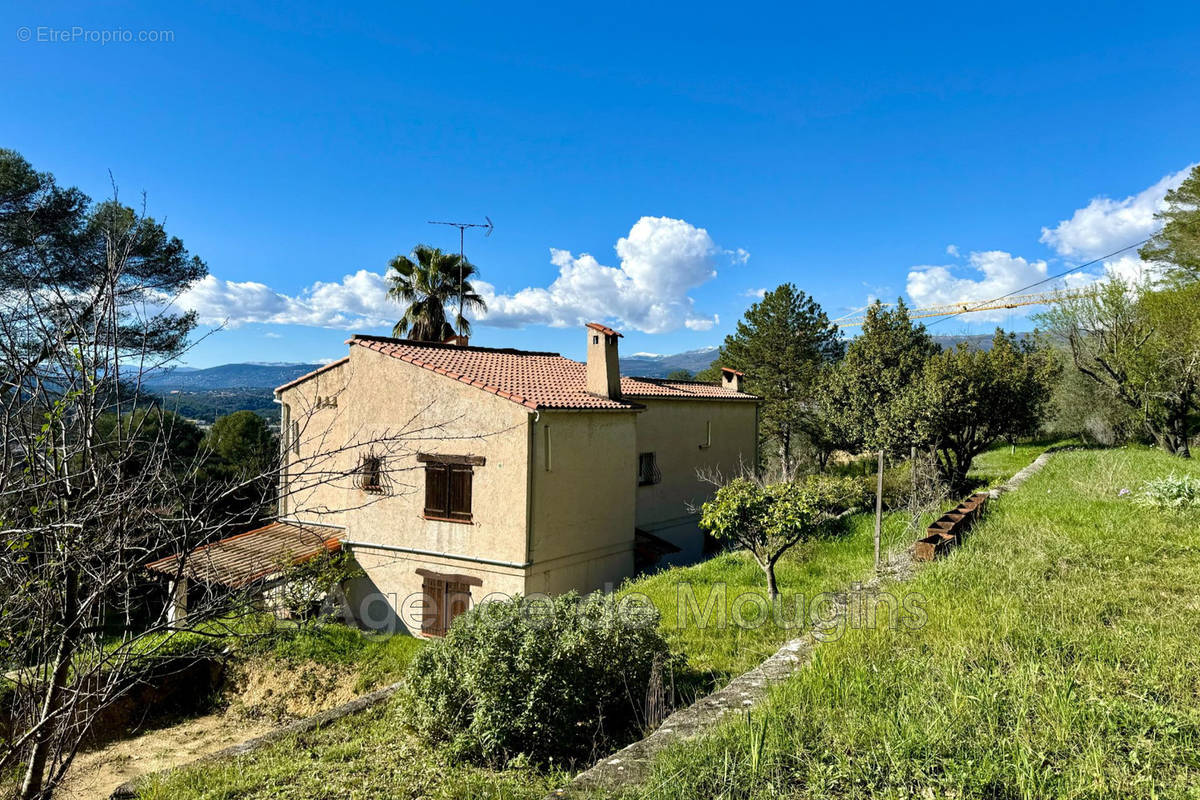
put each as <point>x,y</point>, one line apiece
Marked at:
<point>772,587</point>
<point>32,787</point>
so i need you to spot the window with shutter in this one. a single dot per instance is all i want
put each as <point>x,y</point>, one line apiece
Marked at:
<point>437,486</point>
<point>448,484</point>
<point>445,598</point>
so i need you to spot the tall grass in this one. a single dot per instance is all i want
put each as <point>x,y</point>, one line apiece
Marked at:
<point>1059,660</point>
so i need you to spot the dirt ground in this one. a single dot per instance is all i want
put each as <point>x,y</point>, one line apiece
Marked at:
<point>260,696</point>
<point>97,773</point>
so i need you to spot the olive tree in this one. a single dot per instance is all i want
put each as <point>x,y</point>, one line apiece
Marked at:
<point>769,519</point>
<point>965,400</point>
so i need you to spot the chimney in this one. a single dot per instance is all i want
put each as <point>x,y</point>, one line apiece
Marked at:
<point>731,379</point>
<point>603,372</point>
<point>456,340</point>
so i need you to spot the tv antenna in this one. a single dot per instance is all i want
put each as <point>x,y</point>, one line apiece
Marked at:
<point>462,257</point>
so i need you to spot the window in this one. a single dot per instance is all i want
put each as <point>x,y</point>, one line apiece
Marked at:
<point>548,452</point>
<point>648,473</point>
<point>370,473</point>
<point>448,484</point>
<point>707,435</point>
<point>296,438</point>
<point>444,598</point>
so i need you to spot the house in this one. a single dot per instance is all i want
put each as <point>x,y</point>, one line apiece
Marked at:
<point>455,472</point>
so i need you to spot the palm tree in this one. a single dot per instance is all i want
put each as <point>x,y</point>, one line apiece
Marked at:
<point>426,286</point>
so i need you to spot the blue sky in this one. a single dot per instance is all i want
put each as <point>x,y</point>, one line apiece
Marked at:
<point>297,147</point>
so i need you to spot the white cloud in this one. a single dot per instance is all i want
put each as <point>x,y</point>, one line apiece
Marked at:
<point>1099,228</point>
<point>1001,273</point>
<point>952,250</point>
<point>1104,224</point>
<point>662,259</point>
<point>273,335</point>
<point>757,294</point>
<point>358,300</point>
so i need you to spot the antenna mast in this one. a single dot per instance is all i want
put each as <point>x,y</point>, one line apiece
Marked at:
<point>462,257</point>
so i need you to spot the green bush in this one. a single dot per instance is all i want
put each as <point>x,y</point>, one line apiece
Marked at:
<point>547,679</point>
<point>1176,492</point>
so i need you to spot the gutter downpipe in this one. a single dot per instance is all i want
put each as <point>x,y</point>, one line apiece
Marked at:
<point>529,470</point>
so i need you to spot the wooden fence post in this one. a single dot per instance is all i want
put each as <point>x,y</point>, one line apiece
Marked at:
<point>878,510</point>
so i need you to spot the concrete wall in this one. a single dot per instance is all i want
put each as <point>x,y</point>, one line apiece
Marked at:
<point>554,506</point>
<point>678,433</point>
<point>584,476</point>
<point>397,410</point>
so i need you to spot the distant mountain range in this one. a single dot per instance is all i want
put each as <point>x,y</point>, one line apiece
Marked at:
<point>227,376</point>
<point>269,375</point>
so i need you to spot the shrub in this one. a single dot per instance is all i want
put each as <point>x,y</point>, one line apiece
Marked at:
<point>1172,492</point>
<point>544,678</point>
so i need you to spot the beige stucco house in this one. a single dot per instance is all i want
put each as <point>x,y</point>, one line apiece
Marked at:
<point>453,472</point>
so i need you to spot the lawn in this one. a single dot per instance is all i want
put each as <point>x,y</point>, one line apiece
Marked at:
<point>1059,660</point>
<point>716,653</point>
<point>375,755</point>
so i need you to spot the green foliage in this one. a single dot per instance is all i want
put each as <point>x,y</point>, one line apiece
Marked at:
<point>1177,244</point>
<point>769,519</point>
<point>145,434</point>
<point>964,400</point>
<point>858,401</point>
<point>244,443</point>
<point>781,344</point>
<point>1059,661</point>
<point>306,585</point>
<point>1141,344</point>
<point>681,375</point>
<point>1174,492</point>
<point>426,286</point>
<point>550,679</point>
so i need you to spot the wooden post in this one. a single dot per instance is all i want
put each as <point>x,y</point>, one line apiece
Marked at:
<point>878,510</point>
<point>177,602</point>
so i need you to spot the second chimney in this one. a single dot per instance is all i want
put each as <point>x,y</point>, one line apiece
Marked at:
<point>603,371</point>
<point>731,379</point>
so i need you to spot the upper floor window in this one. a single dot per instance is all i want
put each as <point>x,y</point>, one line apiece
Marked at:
<point>648,473</point>
<point>370,473</point>
<point>449,484</point>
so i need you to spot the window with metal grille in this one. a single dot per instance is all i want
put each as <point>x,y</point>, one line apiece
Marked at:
<point>448,486</point>
<point>370,473</point>
<point>648,473</point>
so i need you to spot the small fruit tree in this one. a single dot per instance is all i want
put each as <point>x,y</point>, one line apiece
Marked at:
<point>769,519</point>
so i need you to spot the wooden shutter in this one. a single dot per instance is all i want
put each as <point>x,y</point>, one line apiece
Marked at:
<point>437,488</point>
<point>459,506</point>
<point>458,600</point>
<point>432,615</point>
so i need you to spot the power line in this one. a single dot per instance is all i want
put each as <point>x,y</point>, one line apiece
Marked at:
<point>1023,289</point>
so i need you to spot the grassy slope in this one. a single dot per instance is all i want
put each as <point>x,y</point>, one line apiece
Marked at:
<point>1059,660</point>
<point>373,754</point>
<point>717,653</point>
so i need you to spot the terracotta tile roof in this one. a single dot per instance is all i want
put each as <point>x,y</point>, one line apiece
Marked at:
<point>731,371</point>
<point>308,375</point>
<point>251,556</point>
<point>533,379</point>
<point>607,331</point>
<point>661,387</point>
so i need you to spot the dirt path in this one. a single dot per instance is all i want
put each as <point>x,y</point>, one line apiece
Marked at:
<point>95,774</point>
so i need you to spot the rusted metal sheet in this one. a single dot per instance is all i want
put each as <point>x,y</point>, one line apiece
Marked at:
<point>947,531</point>
<point>254,555</point>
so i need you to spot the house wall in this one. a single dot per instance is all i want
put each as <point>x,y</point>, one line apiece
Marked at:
<point>396,410</point>
<point>583,500</point>
<point>676,431</point>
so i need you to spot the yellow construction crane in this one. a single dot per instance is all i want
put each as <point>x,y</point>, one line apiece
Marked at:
<point>971,306</point>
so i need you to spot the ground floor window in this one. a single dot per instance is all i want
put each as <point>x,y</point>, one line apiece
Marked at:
<point>445,597</point>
